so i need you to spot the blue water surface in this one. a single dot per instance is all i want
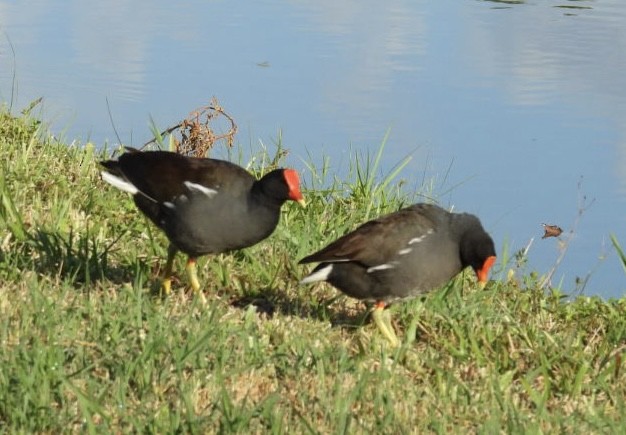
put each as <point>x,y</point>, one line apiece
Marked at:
<point>515,110</point>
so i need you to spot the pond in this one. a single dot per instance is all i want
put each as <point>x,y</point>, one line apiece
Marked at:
<point>515,110</point>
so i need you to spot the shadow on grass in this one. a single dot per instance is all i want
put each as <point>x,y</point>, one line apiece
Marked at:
<point>78,258</point>
<point>268,302</point>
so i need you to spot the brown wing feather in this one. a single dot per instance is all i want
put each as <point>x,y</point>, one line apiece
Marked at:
<point>161,175</point>
<point>376,241</point>
<point>348,246</point>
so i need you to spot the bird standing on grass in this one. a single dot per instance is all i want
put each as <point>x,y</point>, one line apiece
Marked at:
<point>402,255</point>
<point>204,206</point>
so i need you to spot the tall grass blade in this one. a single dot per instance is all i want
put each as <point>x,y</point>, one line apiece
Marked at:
<point>620,251</point>
<point>9,213</point>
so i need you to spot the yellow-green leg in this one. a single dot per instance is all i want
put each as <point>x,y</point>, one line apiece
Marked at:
<point>383,321</point>
<point>166,284</point>
<point>193,274</point>
<point>193,278</point>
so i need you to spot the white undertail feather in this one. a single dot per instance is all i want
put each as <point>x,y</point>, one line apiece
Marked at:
<point>118,182</point>
<point>319,275</point>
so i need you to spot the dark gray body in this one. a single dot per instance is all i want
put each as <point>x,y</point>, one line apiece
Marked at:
<point>198,225</point>
<point>204,206</point>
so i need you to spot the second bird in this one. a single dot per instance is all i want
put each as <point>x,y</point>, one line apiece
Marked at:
<point>402,255</point>
<point>204,206</point>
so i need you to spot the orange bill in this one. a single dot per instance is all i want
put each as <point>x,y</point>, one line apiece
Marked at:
<point>483,272</point>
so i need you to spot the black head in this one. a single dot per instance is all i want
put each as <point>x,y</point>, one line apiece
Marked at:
<point>477,248</point>
<point>279,186</point>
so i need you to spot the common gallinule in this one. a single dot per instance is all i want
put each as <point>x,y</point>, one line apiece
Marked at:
<point>204,206</point>
<point>402,255</point>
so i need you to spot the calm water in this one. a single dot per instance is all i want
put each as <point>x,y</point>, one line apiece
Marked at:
<point>515,110</point>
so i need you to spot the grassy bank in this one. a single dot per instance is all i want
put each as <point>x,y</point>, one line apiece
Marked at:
<point>86,345</point>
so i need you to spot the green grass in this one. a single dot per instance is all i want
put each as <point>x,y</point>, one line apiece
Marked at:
<point>85,345</point>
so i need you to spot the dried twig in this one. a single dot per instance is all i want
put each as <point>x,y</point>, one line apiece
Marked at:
<point>196,134</point>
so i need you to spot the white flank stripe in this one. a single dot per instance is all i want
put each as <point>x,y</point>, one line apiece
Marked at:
<point>200,188</point>
<point>320,275</point>
<point>119,182</point>
<point>380,267</point>
<point>169,205</point>
<point>404,251</point>
<point>419,239</point>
